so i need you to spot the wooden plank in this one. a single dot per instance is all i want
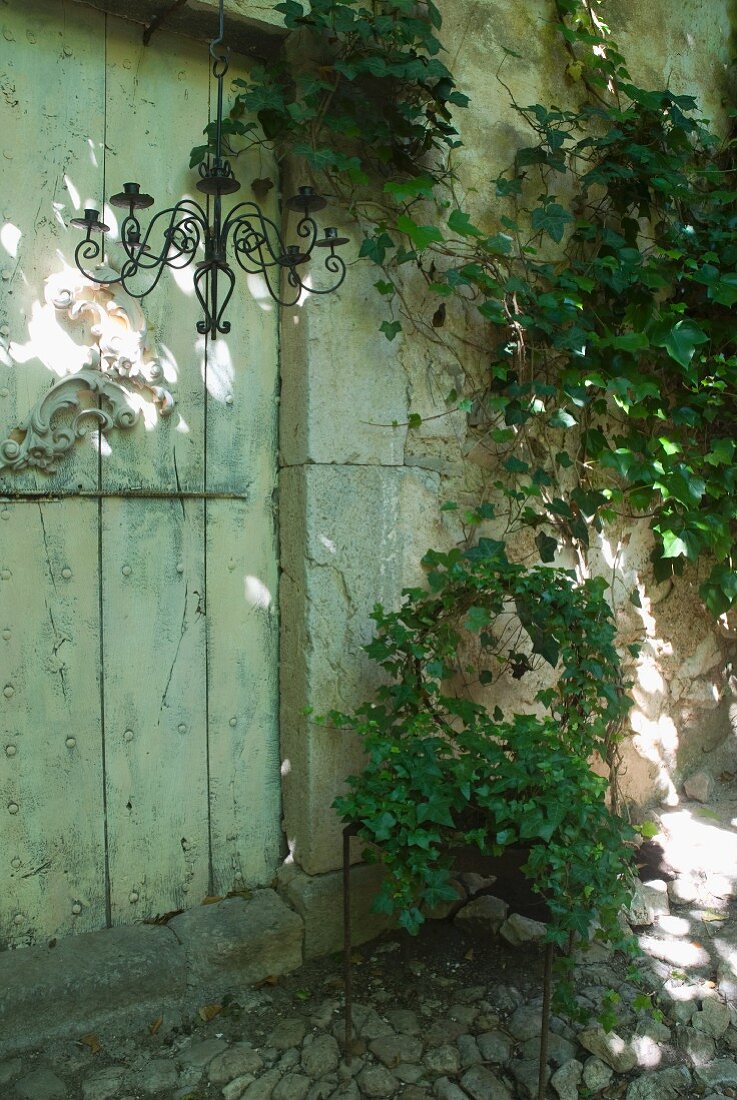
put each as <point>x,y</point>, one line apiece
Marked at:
<point>52,843</point>
<point>157,100</point>
<point>242,638</point>
<point>52,77</point>
<point>154,705</point>
<point>242,629</point>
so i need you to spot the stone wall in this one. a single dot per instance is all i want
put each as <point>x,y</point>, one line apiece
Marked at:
<point>361,495</point>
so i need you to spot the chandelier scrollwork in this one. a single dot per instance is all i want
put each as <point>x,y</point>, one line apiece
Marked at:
<point>189,233</point>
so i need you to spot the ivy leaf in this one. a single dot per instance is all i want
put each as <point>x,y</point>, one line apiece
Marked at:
<point>198,155</point>
<point>561,419</point>
<point>375,248</point>
<point>683,545</point>
<point>410,189</point>
<point>420,235</point>
<point>681,341</point>
<point>477,618</point>
<point>459,222</point>
<point>390,328</point>
<point>382,825</point>
<point>551,219</point>
<point>506,187</point>
<point>547,546</point>
<point>721,453</point>
<point>516,466</point>
<point>628,341</point>
<point>500,244</point>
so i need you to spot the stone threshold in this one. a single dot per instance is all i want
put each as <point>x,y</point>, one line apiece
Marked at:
<point>129,976</point>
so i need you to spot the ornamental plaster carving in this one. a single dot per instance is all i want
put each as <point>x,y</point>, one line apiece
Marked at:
<point>120,362</point>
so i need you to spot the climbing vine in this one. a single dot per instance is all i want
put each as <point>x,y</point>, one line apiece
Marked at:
<point>602,279</point>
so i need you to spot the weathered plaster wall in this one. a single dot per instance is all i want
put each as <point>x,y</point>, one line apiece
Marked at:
<point>361,497</point>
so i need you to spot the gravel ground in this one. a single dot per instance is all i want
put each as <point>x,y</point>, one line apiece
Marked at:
<point>455,1013</point>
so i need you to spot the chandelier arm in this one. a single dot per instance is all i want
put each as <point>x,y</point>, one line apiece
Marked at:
<point>336,265</point>
<point>90,249</point>
<point>129,271</point>
<point>253,246</point>
<point>307,228</point>
<point>243,214</point>
<point>194,219</point>
<point>253,261</point>
<point>293,281</point>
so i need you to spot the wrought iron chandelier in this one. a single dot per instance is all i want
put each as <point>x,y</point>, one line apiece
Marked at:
<point>182,230</point>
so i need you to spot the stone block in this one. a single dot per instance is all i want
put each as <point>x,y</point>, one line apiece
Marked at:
<point>319,901</point>
<point>237,942</point>
<point>609,1047</point>
<point>485,913</point>
<point>340,366</point>
<point>666,1084</point>
<point>699,787</point>
<point>351,537</point>
<point>128,976</point>
<point>517,930</point>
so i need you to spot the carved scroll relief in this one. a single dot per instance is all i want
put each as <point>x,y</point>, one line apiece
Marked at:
<point>120,361</point>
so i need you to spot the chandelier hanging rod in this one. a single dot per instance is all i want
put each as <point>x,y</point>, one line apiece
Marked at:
<point>176,236</point>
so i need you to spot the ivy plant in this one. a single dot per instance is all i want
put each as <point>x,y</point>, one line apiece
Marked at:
<point>445,769</point>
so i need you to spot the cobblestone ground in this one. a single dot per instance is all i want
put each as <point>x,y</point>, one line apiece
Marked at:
<point>455,1013</point>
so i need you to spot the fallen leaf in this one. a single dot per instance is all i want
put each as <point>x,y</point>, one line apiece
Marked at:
<point>303,994</point>
<point>92,1042</point>
<point>242,893</point>
<point>162,918</point>
<point>156,1025</point>
<point>711,914</point>
<point>211,899</point>
<point>209,1012</point>
<point>469,955</point>
<point>271,979</point>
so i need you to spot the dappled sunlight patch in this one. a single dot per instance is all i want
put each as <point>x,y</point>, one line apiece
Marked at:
<point>219,373</point>
<point>257,594</point>
<point>259,291</point>
<point>691,841</point>
<point>675,952</point>
<point>10,236</point>
<point>674,926</point>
